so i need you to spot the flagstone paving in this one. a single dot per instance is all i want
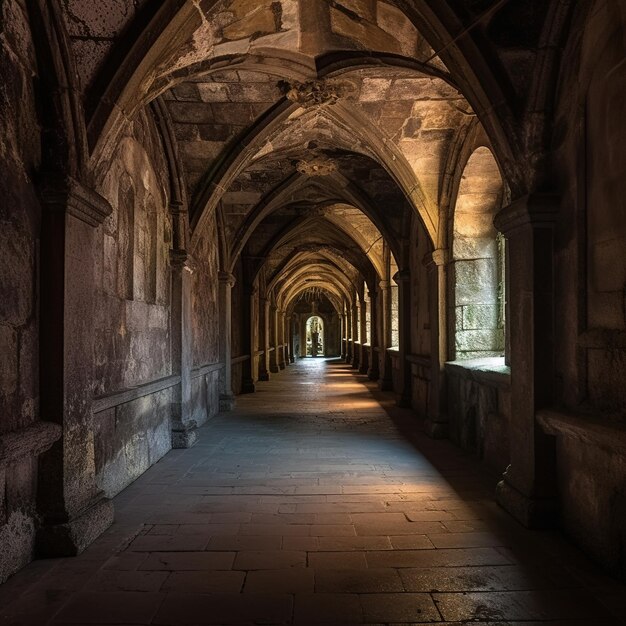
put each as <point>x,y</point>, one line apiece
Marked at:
<point>316,501</point>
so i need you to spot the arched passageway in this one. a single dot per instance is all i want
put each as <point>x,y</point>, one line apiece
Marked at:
<point>315,502</point>
<point>187,183</point>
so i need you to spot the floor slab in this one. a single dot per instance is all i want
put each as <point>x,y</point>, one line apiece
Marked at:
<point>315,501</point>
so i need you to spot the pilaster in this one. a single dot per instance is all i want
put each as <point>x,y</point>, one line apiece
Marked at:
<point>528,488</point>
<point>73,510</point>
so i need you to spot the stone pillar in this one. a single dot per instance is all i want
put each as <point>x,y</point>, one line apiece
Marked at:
<point>385,382</point>
<point>302,332</point>
<point>403,280</point>
<point>264,331</point>
<point>184,433</point>
<point>349,341</point>
<point>247,340</point>
<point>342,338</point>
<point>373,372</point>
<point>273,360</point>
<point>363,353</point>
<point>280,342</point>
<point>227,398</point>
<point>528,488</point>
<point>355,335</point>
<point>73,510</point>
<point>292,332</point>
<point>436,423</point>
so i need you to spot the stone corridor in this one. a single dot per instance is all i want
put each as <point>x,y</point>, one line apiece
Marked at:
<point>316,501</point>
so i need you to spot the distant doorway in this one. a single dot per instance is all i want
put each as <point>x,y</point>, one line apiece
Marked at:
<point>315,336</point>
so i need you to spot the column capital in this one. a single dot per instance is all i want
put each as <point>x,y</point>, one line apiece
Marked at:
<point>402,276</point>
<point>66,194</point>
<point>441,256</point>
<point>538,210</point>
<point>180,259</point>
<point>384,284</point>
<point>226,278</point>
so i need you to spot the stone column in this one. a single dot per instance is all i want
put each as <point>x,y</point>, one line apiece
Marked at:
<point>403,280</point>
<point>363,354</point>
<point>349,340</point>
<point>385,382</point>
<point>292,332</point>
<point>302,332</point>
<point>248,345</point>
<point>273,360</point>
<point>355,335</point>
<point>342,335</point>
<point>436,423</point>
<point>183,426</point>
<point>373,372</point>
<point>280,341</point>
<point>73,510</point>
<point>264,331</point>
<point>528,488</point>
<point>227,398</point>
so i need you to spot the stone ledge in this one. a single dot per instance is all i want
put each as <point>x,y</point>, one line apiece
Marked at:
<point>109,401</point>
<point>422,360</point>
<point>489,371</point>
<point>586,428</point>
<point>29,441</point>
<point>203,370</point>
<point>239,359</point>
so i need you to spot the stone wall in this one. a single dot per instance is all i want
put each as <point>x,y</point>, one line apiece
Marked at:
<point>132,324</point>
<point>590,273</point>
<point>479,409</point>
<point>20,216</point>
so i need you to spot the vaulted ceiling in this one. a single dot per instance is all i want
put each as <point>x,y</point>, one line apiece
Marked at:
<point>318,131</point>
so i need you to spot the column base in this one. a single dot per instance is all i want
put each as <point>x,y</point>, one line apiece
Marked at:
<point>436,430</point>
<point>71,538</point>
<point>274,369</point>
<point>537,513</point>
<point>247,386</point>
<point>264,376</point>
<point>363,369</point>
<point>281,366</point>
<point>292,359</point>
<point>373,374</point>
<point>385,384</point>
<point>403,402</point>
<point>227,402</point>
<point>184,435</point>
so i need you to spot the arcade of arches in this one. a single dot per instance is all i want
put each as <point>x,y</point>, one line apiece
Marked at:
<point>197,193</point>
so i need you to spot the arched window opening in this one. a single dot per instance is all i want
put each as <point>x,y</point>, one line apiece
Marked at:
<point>478,261</point>
<point>315,336</point>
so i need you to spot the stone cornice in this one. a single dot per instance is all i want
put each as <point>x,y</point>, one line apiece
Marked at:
<point>65,194</point>
<point>537,210</point>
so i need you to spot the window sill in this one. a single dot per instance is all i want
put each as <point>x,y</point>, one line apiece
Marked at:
<point>490,370</point>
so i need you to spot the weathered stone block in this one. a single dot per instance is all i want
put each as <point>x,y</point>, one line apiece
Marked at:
<point>476,281</point>
<point>480,316</point>
<point>479,340</point>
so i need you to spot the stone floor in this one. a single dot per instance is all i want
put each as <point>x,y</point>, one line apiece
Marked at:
<point>315,502</point>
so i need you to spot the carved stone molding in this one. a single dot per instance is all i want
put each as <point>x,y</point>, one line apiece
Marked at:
<point>312,92</point>
<point>316,166</point>
<point>60,193</point>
